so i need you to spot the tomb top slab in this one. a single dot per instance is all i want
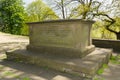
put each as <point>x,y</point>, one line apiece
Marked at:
<point>62,20</point>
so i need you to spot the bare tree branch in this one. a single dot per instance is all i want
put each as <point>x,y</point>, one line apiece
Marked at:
<point>110,21</point>
<point>102,14</point>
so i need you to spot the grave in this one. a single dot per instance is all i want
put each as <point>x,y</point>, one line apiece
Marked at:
<point>63,38</point>
<point>63,45</point>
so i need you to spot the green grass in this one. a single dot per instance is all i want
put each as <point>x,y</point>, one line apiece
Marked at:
<point>101,70</point>
<point>7,73</point>
<point>25,78</point>
<point>96,78</point>
<point>115,59</point>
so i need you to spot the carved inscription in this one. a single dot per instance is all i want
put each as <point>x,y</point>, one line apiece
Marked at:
<point>56,31</point>
<point>54,35</point>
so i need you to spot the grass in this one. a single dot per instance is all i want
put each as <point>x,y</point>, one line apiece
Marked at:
<point>96,78</point>
<point>101,70</point>
<point>25,78</point>
<point>7,73</point>
<point>115,59</point>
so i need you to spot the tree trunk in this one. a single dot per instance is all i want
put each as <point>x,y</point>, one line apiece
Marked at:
<point>63,10</point>
<point>118,35</point>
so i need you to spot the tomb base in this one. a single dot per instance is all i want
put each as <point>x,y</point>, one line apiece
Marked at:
<point>61,51</point>
<point>84,67</point>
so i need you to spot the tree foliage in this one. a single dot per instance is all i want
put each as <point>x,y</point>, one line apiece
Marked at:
<point>111,22</point>
<point>99,31</point>
<point>94,9</point>
<point>38,11</point>
<point>12,16</point>
<point>86,9</point>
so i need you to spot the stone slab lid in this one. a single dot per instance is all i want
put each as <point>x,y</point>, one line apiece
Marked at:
<point>62,20</point>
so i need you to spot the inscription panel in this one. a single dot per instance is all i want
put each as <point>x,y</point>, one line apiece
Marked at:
<point>54,35</point>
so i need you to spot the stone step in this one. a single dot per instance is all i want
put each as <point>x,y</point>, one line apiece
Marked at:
<point>84,67</point>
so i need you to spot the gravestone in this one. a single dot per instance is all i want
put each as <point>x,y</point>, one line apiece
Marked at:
<point>63,45</point>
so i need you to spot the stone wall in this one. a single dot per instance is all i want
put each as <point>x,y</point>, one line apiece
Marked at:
<point>114,44</point>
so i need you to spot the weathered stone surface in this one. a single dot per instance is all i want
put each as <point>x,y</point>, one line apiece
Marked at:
<point>61,51</point>
<point>61,37</point>
<point>60,78</point>
<point>85,67</point>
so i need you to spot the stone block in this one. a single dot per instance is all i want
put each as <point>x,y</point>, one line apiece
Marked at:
<point>84,67</point>
<point>70,38</point>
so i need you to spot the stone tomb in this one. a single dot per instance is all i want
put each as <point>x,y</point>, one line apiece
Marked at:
<point>63,38</point>
<point>63,45</point>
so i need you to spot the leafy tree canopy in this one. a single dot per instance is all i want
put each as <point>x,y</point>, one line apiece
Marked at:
<point>38,11</point>
<point>12,16</point>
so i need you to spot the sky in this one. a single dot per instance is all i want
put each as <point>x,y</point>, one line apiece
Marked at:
<point>27,1</point>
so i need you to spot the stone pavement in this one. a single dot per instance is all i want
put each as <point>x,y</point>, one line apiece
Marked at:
<point>10,70</point>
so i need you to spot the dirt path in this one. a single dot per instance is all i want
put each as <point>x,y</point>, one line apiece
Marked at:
<point>7,38</point>
<point>10,70</point>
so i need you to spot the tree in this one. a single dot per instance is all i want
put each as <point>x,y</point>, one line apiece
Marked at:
<point>61,6</point>
<point>12,16</point>
<point>75,8</point>
<point>90,9</point>
<point>38,11</point>
<point>86,9</point>
<point>99,31</point>
<point>111,23</point>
